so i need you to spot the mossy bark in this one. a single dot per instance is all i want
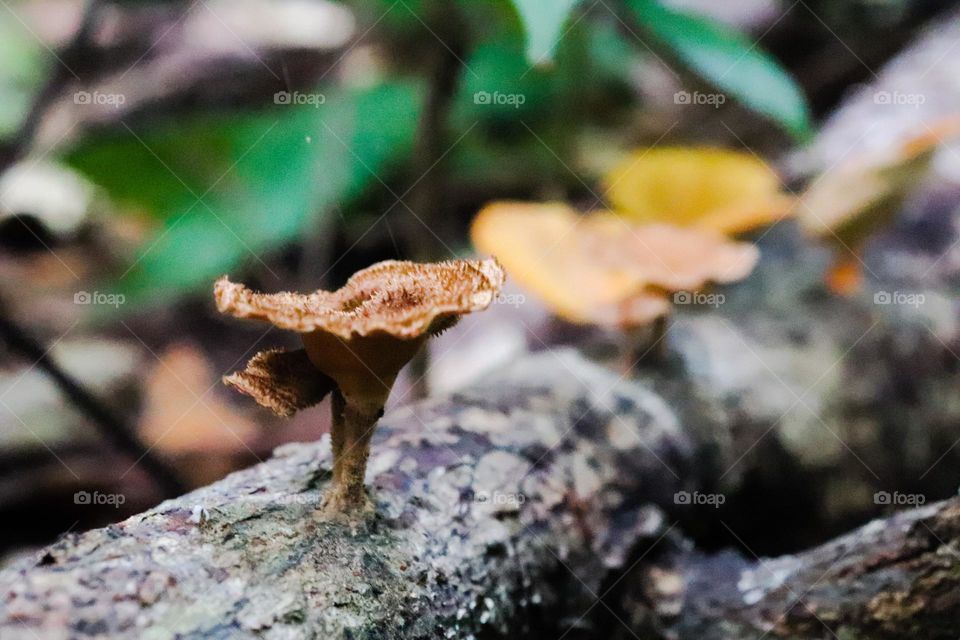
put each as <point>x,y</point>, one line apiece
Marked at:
<point>480,500</point>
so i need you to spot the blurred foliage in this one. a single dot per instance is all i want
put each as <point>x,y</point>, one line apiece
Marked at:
<point>21,72</point>
<point>228,186</point>
<point>543,21</point>
<point>731,62</point>
<point>237,185</point>
<point>722,56</point>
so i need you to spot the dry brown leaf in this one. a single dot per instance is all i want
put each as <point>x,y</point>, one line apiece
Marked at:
<point>181,417</point>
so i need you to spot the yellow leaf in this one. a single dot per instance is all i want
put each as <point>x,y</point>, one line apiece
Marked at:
<point>728,191</point>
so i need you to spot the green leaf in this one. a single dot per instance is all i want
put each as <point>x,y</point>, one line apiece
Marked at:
<point>21,72</point>
<point>729,61</point>
<point>543,21</point>
<point>231,188</point>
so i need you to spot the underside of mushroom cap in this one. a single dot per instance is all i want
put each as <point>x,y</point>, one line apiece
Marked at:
<point>402,299</point>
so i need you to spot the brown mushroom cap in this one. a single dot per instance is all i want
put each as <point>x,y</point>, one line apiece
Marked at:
<point>362,334</point>
<point>400,299</point>
<point>851,201</point>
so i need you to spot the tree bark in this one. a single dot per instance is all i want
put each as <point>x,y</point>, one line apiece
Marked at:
<point>513,506</point>
<point>481,501</point>
<point>892,578</point>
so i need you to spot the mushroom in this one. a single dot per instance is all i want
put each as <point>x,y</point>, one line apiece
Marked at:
<point>356,339</point>
<point>599,269</point>
<point>727,191</point>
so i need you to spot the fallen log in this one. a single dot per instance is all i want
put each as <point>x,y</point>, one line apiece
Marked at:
<point>482,500</point>
<point>892,578</point>
<point>512,506</point>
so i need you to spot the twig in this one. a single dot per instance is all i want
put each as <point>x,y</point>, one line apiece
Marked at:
<point>69,57</point>
<point>16,337</point>
<point>110,426</point>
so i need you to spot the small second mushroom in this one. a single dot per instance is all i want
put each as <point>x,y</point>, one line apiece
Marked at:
<point>356,340</point>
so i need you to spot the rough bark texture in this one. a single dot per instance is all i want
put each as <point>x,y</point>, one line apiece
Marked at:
<point>544,500</point>
<point>511,507</point>
<point>893,578</point>
<point>803,405</point>
<point>477,514</point>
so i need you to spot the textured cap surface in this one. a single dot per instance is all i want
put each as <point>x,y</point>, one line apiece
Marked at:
<point>397,298</point>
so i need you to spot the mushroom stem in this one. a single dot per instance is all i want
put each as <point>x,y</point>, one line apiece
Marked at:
<point>337,435</point>
<point>351,432</point>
